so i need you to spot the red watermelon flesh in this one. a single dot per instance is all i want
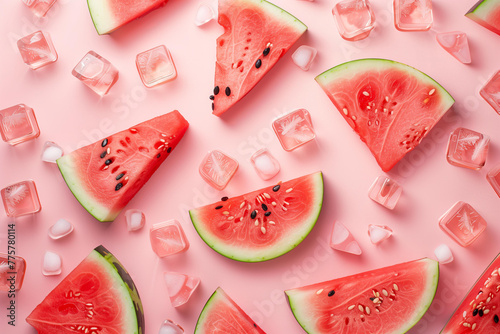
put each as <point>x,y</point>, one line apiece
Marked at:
<point>479,312</point>
<point>383,301</point>
<point>109,15</point>
<point>256,35</point>
<point>97,297</point>
<point>390,105</point>
<point>487,14</point>
<point>104,176</point>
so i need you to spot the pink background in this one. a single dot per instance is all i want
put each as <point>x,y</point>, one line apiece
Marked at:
<point>72,115</point>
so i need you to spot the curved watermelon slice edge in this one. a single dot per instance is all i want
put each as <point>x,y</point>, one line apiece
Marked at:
<point>487,14</point>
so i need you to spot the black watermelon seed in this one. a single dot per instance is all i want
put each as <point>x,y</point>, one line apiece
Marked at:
<point>253,214</point>
<point>228,91</point>
<point>213,106</point>
<point>212,97</point>
<point>169,150</point>
<point>216,90</point>
<point>474,313</point>
<point>264,207</point>
<point>371,298</point>
<point>218,207</point>
<point>108,162</point>
<point>119,176</point>
<point>103,154</point>
<point>104,142</point>
<point>496,319</point>
<point>255,325</point>
<point>118,186</point>
<point>159,155</point>
<point>267,214</point>
<point>258,63</point>
<point>266,51</point>
<point>331,293</point>
<point>481,313</point>
<point>225,198</point>
<point>276,188</point>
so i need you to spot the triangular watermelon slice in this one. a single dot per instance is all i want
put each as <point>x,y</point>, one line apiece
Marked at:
<point>109,15</point>
<point>104,176</point>
<point>256,35</point>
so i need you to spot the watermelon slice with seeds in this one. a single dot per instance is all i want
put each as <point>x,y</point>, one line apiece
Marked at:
<point>487,14</point>
<point>106,175</point>
<point>390,105</point>
<point>256,35</point>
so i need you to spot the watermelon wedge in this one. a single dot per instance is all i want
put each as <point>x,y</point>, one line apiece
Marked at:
<point>487,14</point>
<point>262,224</point>
<point>98,296</point>
<point>222,315</point>
<point>104,176</point>
<point>479,313</point>
<point>256,35</point>
<point>390,105</point>
<point>109,15</point>
<point>389,300</point>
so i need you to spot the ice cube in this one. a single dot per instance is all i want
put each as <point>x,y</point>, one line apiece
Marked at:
<point>60,229</point>
<point>170,327</point>
<point>304,56</point>
<point>385,192</point>
<point>354,18</point>
<point>467,148</point>
<point>96,72</point>
<point>135,219</point>
<point>217,169</point>
<point>20,199</point>
<point>493,178</point>
<point>265,164</point>
<point>11,266</point>
<point>37,50</point>
<point>39,7</point>
<point>156,66</point>
<point>51,152</point>
<point>462,223</point>
<point>379,233</point>
<point>294,129</point>
<point>443,254</point>
<point>456,44</point>
<point>168,238</point>
<point>18,124</point>
<point>491,92</point>
<point>180,287</point>
<point>204,14</point>
<point>52,264</point>
<point>341,239</point>
<point>413,15</point>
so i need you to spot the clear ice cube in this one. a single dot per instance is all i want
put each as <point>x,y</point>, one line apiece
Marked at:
<point>20,199</point>
<point>60,229</point>
<point>168,238</point>
<point>443,254</point>
<point>456,44</point>
<point>12,270</point>
<point>385,192</point>
<point>304,56</point>
<point>135,219</point>
<point>51,152</point>
<point>39,7</point>
<point>379,233</point>
<point>354,18</point>
<point>462,223</point>
<point>493,178</point>
<point>491,92</point>
<point>52,264</point>
<point>18,124</point>
<point>265,164</point>
<point>467,148</point>
<point>180,287</point>
<point>96,72</point>
<point>37,50</point>
<point>204,14</point>
<point>217,169</point>
<point>170,327</point>
<point>294,129</point>
<point>341,239</point>
<point>413,15</point>
<point>156,66</point>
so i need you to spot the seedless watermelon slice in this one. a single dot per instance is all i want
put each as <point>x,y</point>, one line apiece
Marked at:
<point>256,35</point>
<point>222,315</point>
<point>383,301</point>
<point>104,176</point>
<point>98,296</point>
<point>262,224</point>
<point>487,14</point>
<point>109,15</point>
<point>390,105</point>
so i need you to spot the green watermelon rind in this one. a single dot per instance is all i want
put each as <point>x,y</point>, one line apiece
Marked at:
<point>480,11</point>
<point>93,10</point>
<point>274,252</point>
<point>427,298</point>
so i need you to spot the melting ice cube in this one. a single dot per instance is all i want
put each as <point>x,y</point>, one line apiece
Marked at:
<point>60,229</point>
<point>135,219</point>
<point>168,238</point>
<point>204,14</point>
<point>180,287</point>
<point>443,254</point>
<point>342,239</point>
<point>304,56</point>
<point>37,50</point>
<point>456,44</point>
<point>170,327</point>
<point>51,152</point>
<point>52,264</point>
<point>217,169</point>
<point>379,233</point>
<point>265,164</point>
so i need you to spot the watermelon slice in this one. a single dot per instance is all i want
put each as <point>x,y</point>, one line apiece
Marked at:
<point>222,315</point>
<point>383,301</point>
<point>98,296</point>
<point>109,15</point>
<point>479,313</point>
<point>256,35</point>
<point>262,224</point>
<point>104,176</point>
<point>390,105</point>
<point>487,14</point>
